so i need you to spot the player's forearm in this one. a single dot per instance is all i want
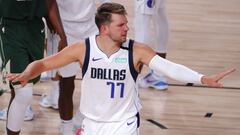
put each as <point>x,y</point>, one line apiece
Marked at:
<point>34,69</point>
<point>54,18</point>
<point>175,71</point>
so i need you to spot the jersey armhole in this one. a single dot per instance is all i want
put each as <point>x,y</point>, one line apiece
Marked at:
<point>87,55</point>
<point>133,71</point>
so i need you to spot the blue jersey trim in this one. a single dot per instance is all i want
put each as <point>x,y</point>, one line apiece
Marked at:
<point>133,71</point>
<point>87,56</point>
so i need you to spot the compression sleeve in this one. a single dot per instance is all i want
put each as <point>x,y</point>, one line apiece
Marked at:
<point>175,71</point>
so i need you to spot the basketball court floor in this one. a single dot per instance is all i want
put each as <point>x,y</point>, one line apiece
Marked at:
<point>205,36</point>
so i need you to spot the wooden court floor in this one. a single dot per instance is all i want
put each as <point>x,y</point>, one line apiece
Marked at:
<point>205,37</point>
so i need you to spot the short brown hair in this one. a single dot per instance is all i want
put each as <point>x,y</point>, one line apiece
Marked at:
<point>105,11</point>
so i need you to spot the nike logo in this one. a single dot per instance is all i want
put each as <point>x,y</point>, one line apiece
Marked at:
<point>130,123</point>
<point>150,81</point>
<point>3,29</point>
<point>43,30</point>
<point>150,3</point>
<point>94,59</point>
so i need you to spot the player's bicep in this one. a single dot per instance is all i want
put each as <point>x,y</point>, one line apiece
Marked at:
<point>66,56</point>
<point>144,53</point>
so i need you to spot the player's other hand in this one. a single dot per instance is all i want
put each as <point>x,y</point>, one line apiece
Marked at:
<point>213,80</point>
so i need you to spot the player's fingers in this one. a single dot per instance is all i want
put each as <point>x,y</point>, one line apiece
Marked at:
<point>224,73</point>
<point>11,77</point>
<point>216,85</point>
<point>17,78</point>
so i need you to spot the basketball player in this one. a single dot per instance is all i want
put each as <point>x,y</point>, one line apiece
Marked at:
<point>22,41</point>
<point>151,25</point>
<point>110,65</point>
<point>78,24</point>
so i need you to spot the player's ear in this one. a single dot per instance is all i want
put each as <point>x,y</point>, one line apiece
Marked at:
<point>104,28</point>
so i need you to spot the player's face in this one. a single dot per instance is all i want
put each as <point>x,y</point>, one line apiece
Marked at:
<point>118,28</point>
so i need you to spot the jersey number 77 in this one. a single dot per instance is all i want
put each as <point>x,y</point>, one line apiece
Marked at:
<point>116,86</point>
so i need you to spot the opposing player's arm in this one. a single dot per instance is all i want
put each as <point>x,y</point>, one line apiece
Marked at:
<point>54,19</point>
<point>145,55</point>
<point>67,55</point>
<point>55,24</point>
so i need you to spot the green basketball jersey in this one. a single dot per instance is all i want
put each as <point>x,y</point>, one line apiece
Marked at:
<point>23,9</point>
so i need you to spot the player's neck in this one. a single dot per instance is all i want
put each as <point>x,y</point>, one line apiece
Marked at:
<point>107,45</point>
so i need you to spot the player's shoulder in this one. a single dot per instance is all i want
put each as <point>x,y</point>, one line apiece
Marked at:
<point>134,43</point>
<point>78,46</point>
<point>138,46</point>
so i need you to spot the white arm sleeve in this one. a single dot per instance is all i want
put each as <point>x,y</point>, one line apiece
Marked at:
<point>175,71</point>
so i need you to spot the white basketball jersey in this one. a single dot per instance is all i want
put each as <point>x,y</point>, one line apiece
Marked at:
<point>109,91</point>
<point>76,10</point>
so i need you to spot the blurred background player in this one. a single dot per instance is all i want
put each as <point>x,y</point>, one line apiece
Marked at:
<point>22,42</point>
<point>78,21</point>
<point>152,28</point>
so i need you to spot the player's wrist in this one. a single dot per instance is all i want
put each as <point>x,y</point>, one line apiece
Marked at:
<point>204,80</point>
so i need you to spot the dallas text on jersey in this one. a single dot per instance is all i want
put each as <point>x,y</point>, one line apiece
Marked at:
<point>108,74</point>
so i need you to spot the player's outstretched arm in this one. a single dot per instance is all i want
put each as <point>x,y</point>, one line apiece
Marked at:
<point>147,56</point>
<point>67,55</point>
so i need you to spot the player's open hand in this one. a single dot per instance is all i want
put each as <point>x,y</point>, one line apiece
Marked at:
<point>213,81</point>
<point>17,78</point>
